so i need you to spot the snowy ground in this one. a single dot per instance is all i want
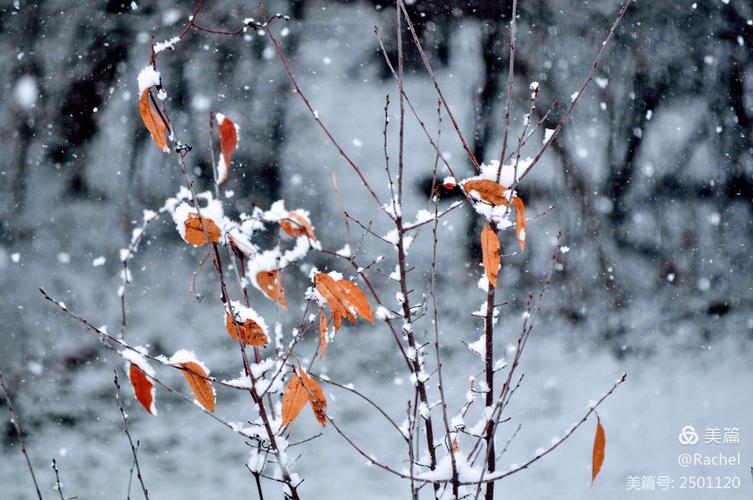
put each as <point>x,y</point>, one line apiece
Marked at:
<point>185,455</point>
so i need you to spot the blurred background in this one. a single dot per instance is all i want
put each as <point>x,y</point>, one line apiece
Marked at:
<point>652,183</point>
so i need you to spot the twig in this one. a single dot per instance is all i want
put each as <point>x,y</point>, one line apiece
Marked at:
<point>17,425</point>
<point>128,435</point>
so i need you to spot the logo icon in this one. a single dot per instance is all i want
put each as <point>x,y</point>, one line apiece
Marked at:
<point>688,436</point>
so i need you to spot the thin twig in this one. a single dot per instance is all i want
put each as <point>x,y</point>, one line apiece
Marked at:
<point>17,425</point>
<point>128,435</point>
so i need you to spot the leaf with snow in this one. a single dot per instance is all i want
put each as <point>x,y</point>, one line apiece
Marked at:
<point>195,373</point>
<point>153,121</point>
<point>248,324</point>
<point>143,388</point>
<point>228,144</point>
<point>297,224</point>
<point>195,232</point>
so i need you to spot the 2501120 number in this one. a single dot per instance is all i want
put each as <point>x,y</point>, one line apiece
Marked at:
<point>709,482</point>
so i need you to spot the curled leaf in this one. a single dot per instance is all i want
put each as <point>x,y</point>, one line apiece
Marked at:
<point>200,386</point>
<point>520,221</point>
<point>270,282</point>
<point>322,333</point>
<point>153,121</point>
<point>195,233</point>
<point>489,191</point>
<point>143,388</point>
<point>251,332</point>
<point>600,444</point>
<point>228,144</point>
<point>490,250</point>
<point>297,225</point>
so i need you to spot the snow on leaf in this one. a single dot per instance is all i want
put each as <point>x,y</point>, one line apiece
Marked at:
<point>195,373</point>
<point>490,249</point>
<point>194,232</point>
<point>228,144</point>
<point>297,224</point>
<point>357,299</point>
<point>247,323</point>
<point>153,121</point>
<point>489,191</point>
<point>143,388</point>
<point>332,293</point>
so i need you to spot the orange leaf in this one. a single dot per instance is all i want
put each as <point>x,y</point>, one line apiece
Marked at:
<point>297,225</point>
<point>489,191</point>
<point>142,388</point>
<point>520,221</point>
<point>293,400</point>
<point>316,398</point>
<point>490,250</point>
<point>153,121</point>
<point>333,294</point>
<point>200,386</point>
<point>355,297</point>
<point>337,319</point>
<point>270,283</point>
<point>195,233</point>
<point>228,138</point>
<point>228,144</point>
<point>600,443</point>
<point>322,333</point>
<point>251,332</point>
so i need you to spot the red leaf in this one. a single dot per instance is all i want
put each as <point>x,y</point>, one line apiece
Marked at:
<point>142,388</point>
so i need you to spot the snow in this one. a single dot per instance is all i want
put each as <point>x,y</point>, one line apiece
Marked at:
<point>136,356</point>
<point>26,92</point>
<point>185,356</point>
<point>148,77</point>
<point>166,45</point>
<point>241,314</point>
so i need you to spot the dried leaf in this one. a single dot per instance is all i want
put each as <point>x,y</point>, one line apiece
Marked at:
<point>293,399</point>
<point>520,221</point>
<point>228,138</point>
<point>228,144</point>
<point>142,388</point>
<point>200,386</point>
<point>270,282</point>
<point>600,444</point>
<point>455,446</point>
<point>297,225</point>
<point>357,299</point>
<point>251,332</point>
<point>316,397</point>
<point>494,194</point>
<point>195,233</point>
<point>490,250</point>
<point>489,191</point>
<point>333,294</point>
<point>322,333</point>
<point>153,121</point>
<point>241,244</point>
